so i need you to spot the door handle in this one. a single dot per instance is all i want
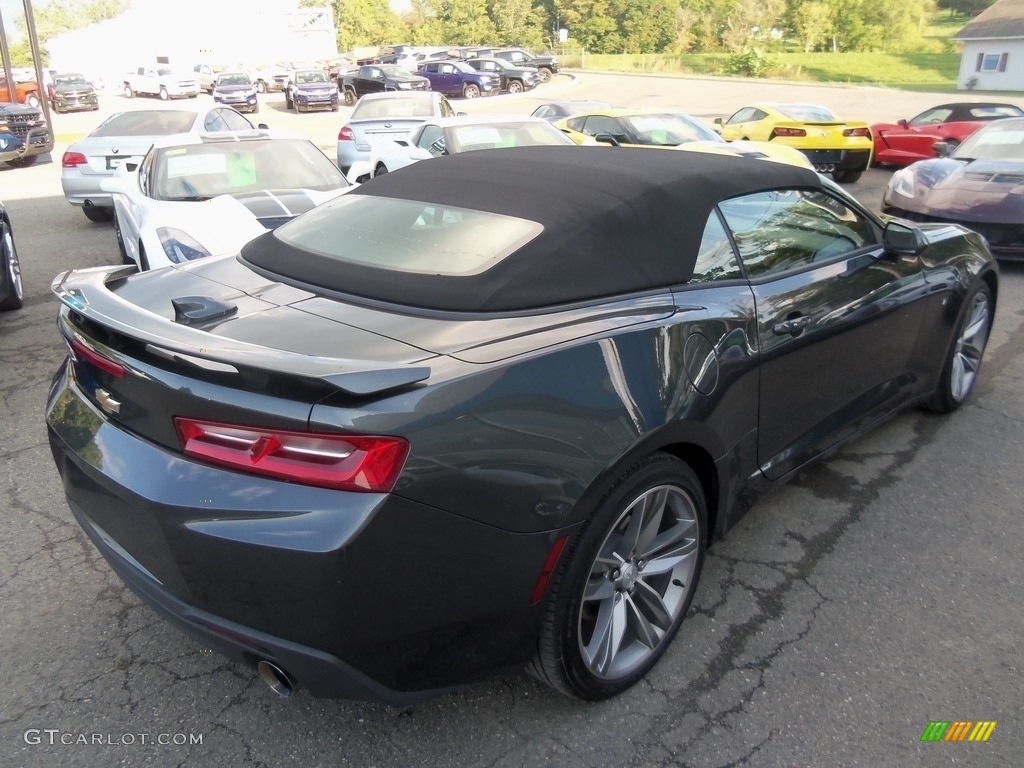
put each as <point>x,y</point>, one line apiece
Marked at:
<point>792,326</point>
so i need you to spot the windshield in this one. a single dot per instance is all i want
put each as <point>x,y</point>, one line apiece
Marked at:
<point>1001,140</point>
<point>410,105</point>
<point>305,78</point>
<point>407,236</point>
<point>156,122</point>
<point>202,171</point>
<point>394,71</point>
<point>810,113</point>
<point>234,79</point>
<point>668,129</point>
<point>69,80</point>
<point>465,138</point>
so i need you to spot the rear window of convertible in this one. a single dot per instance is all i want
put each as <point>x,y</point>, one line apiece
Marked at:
<point>408,236</point>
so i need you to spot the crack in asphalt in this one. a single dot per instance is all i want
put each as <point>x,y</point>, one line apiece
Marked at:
<point>828,484</point>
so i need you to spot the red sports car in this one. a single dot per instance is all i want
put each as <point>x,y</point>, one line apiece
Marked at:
<point>911,140</point>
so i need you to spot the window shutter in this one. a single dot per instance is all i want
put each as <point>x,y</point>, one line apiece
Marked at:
<point>1002,61</point>
<point>981,60</point>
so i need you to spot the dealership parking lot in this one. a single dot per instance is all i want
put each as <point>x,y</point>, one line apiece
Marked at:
<point>878,592</point>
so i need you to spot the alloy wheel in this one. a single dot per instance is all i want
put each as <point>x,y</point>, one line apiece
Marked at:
<point>970,346</point>
<point>639,582</point>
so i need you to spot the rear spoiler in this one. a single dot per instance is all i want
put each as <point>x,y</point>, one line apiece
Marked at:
<point>85,291</point>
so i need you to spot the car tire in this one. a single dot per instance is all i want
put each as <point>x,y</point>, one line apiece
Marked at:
<point>470,91</point>
<point>544,74</point>
<point>261,87</point>
<point>847,176</point>
<point>23,162</point>
<point>606,625</point>
<point>515,86</point>
<point>56,109</point>
<point>129,92</point>
<point>120,242</point>
<point>350,98</point>
<point>11,266</point>
<point>32,100</point>
<point>163,95</point>
<point>380,170</point>
<point>960,369</point>
<point>98,213</point>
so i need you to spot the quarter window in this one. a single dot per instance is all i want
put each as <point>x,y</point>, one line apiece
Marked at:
<point>716,259</point>
<point>782,230</point>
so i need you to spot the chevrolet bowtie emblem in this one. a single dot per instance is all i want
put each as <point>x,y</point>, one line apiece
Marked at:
<point>107,403</point>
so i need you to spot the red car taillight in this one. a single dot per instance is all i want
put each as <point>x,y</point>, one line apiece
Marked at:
<point>73,159</point>
<point>341,462</point>
<point>851,132</point>
<point>345,134</point>
<point>88,355</point>
<point>790,132</point>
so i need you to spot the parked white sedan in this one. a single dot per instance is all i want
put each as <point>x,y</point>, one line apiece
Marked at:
<point>125,137</point>
<point>451,135</point>
<point>197,196</point>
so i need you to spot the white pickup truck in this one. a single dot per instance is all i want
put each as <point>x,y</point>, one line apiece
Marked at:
<point>162,82</point>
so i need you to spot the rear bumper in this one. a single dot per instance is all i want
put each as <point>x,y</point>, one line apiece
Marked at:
<point>839,159</point>
<point>80,189</point>
<point>354,595</point>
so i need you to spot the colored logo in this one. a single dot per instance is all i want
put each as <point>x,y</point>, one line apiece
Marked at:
<point>958,730</point>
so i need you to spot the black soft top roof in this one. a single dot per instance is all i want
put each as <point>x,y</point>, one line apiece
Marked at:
<point>615,220</point>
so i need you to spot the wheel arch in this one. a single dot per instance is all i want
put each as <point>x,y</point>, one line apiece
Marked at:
<point>693,444</point>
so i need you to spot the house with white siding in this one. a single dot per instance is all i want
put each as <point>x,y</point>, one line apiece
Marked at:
<point>993,54</point>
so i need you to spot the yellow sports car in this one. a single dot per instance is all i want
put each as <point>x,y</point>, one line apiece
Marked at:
<point>840,147</point>
<point>650,128</point>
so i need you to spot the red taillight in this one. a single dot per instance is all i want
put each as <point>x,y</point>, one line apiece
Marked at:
<point>851,132</point>
<point>73,159</point>
<point>790,132</point>
<point>94,358</point>
<point>342,462</point>
<point>345,134</point>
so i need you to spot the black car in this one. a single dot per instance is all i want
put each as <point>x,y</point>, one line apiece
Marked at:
<point>546,66</point>
<point>12,294</point>
<point>71,92</point>
<point>490,410</point>
<point>513,79</point>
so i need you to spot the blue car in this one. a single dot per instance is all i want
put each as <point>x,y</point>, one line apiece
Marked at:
<point>455,78</point>
<point>237,90</point>
<point>311,89</point>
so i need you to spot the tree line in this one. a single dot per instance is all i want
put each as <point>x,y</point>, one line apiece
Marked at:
<point>646,26</point>
<point>596,26</point>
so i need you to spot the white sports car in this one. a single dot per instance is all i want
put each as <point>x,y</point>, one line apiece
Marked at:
<point>451,135</point>
<point>196,196</point>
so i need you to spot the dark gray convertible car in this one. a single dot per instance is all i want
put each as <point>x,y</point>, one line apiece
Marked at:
<point>490,410</point>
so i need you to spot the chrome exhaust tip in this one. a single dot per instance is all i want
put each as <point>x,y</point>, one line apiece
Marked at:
<point>276,679</point>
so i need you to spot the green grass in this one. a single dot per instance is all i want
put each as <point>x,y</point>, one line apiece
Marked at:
<point>911,71</point>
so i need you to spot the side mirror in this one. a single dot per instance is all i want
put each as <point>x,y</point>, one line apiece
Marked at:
<point>263,127</point>
<point>943,148</point>
<point>461,114</point>
<point>607,138</point>
<point>903,124</point>
<point>903,239</point>
<point>718,121</point>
